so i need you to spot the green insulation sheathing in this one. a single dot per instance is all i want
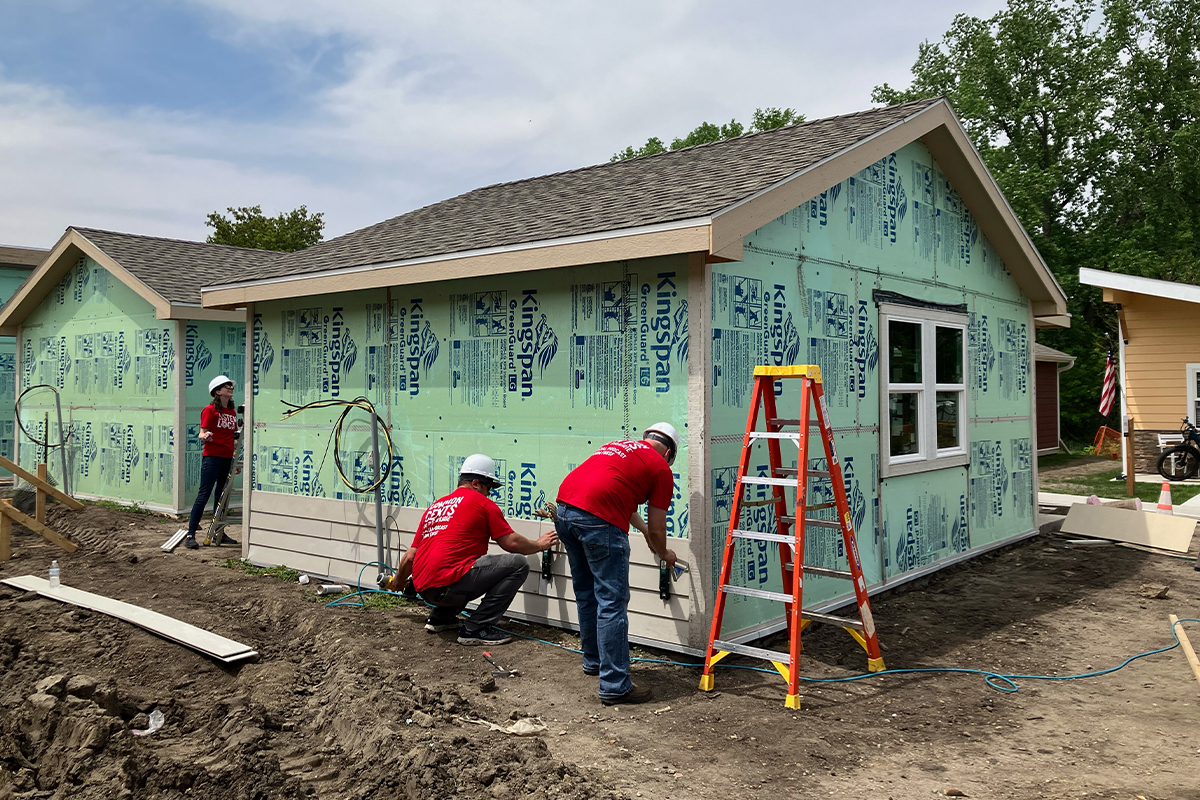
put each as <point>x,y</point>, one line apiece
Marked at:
<point>536,369</point>
<point>10,280</point>
<point>210,349</point>
<point>98,342</point>
<point>804,293</point>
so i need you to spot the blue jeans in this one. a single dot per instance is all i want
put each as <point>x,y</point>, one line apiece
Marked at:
<point>213,472</point>
<point>598,552</point>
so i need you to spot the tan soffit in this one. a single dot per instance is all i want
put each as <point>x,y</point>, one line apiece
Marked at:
<point>719,236</point>
<point>691,236</point>
<point>62,257</point>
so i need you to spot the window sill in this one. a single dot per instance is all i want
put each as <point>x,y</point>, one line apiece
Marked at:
<point>925,465</point>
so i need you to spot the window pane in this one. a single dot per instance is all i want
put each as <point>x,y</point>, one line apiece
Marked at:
<point>904,340</point>
<point>947,419</point>
<point>903,425</point>
<point>949,355</point>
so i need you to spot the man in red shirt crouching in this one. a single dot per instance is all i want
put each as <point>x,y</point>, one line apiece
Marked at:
<point>449,562</point>
<point>596,505</point>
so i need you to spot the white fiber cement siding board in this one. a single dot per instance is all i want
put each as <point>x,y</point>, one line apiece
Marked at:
<point>335,538</point>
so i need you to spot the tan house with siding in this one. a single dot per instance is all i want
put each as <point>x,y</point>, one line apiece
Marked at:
<point>1159,356</point>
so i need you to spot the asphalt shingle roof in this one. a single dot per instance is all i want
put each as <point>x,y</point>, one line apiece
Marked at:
<point>677,185</point>
<point>174,268</point>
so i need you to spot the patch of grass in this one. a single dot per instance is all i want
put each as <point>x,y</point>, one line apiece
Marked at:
<point>241,565</point>
<point>113,505</point>
<point>1102,484</point>
<point>1057,460</point>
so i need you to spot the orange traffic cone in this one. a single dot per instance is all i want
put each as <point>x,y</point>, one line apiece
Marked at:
<point>1164,499</point>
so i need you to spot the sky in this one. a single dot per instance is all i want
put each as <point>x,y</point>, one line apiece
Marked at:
<point>144,117</point>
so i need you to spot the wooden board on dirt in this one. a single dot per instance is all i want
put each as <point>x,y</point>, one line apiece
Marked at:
<point>199,639</point>
<point>1147,528</point>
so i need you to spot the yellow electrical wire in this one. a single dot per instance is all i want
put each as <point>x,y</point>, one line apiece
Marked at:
<point>363,404</point>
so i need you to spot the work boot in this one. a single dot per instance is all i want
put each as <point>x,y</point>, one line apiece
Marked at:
<point>190,543</point>
<point>638,694</point>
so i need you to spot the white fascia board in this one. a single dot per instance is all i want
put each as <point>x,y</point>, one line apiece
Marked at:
<point>1134,284</point>
<point>696,222</point>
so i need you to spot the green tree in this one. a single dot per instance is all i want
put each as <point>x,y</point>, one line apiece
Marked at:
<point>1146,215</point>
<point>764,119</point>
<point>1034,87</point>
<point>247,226</point>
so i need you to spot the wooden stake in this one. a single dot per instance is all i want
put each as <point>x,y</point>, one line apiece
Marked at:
<point>29,477</point>
<point>1130,483</point>
<point>49,534</point>
<point>5,538</point>
<point>1186,646</point>
<point>40,512</point>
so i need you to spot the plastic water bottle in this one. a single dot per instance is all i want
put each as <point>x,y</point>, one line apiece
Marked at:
<point>54,573</point>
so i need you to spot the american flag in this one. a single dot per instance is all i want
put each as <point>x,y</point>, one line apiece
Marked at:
<point>1108,394</point>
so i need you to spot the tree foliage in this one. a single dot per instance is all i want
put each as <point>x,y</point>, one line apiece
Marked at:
<point>247,226</point>
<point>1087,116</point>
<point>764,119</point>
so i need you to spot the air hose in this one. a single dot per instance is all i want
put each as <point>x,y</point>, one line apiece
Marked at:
<point>1004,682</point>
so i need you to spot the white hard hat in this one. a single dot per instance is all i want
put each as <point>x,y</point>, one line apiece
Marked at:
<point>219,381</point>
<point>668,430</point>
<point>481,465</point>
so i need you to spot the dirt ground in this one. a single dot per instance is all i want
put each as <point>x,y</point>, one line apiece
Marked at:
<point>346,703</point>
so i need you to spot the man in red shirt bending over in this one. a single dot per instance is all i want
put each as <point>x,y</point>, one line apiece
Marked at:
<point>449,563</point>
<point>596,505</point>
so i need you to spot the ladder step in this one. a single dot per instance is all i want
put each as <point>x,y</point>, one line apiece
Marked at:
<point>812,422</point>
<point>831,573</point>
<point>753,652</point>
<point>812,473</point>
<point>765,537</point>
<point>830,619</point>
<point>792,435</point>
<point>778,597</point>
<point>813,523</point>
<point>769,481</point>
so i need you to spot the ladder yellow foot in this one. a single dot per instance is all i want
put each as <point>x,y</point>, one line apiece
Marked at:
<point>875,665</point>
<point>792,701</point>
<point>707,682</point>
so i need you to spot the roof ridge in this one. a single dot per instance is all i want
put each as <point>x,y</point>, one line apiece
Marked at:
<point>615,164</point>
<point>177,241</point>
<point>606,165</point>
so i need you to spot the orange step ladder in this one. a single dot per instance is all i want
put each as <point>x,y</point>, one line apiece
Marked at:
<point>789,533</point>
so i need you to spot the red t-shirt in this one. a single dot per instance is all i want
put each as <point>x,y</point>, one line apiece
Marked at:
<point>617,479</point>
<point>455,531</point>
<point>223,424</point>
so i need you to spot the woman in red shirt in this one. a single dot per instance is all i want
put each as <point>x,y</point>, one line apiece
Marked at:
<point>218,431</point>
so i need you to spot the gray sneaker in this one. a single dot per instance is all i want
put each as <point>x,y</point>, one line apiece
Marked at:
<point>489,635</point>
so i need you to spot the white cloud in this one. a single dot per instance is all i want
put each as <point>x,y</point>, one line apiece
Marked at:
<point>437,99</point>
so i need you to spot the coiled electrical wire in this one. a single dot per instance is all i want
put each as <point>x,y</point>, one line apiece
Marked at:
<point>17,412</point>
<point>362,404</point>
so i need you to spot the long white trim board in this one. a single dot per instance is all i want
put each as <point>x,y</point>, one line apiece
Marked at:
<point>1147,528</point>
<point>199,639</point>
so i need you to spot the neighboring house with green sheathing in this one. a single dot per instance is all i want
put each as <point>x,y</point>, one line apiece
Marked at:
<point>536,320</point>
<point>15,265</point>
<point>113,323</point>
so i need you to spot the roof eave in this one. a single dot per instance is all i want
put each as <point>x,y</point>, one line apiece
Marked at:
<point>58,262</point>
<point>683,236</point>
<point>1135,284</point>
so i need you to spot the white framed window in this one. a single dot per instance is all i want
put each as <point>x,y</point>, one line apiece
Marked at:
<point>923,390</point>
<point>1193,392</point>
